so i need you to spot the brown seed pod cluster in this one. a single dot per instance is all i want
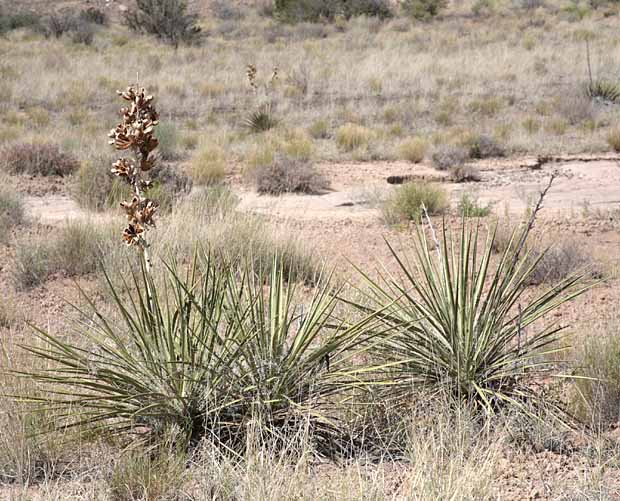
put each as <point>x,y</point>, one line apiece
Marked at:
<point>135,133</point>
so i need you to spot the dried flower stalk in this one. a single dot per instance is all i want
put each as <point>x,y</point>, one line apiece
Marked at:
<point>135,134</point>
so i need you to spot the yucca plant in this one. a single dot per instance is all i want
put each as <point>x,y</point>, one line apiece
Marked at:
<point>295,357</point>
<point>163,362</point>
<point>201,354</point>
<point>462,325</point>
<point>604,90</point>
<point>262,118</point>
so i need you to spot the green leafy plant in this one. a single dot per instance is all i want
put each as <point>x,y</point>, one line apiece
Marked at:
<point>260,120</point>
<point>458,322</point>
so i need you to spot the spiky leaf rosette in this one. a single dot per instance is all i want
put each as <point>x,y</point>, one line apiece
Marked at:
<point>461,324</point>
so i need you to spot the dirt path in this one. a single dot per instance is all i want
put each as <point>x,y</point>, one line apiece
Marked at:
<point>509,185</point>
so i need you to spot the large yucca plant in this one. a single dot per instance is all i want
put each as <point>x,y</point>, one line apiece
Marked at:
<point>201,354</point>
<point>462,324</point>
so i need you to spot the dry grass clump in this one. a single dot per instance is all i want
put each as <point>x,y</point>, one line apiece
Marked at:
<point>447,156</point>
<point>597,396</point>
<point>352,136</point>
<point>319,129</point>
<point>413,149</point>
<point>77,248</point>
<point>289,175</point>
<point>613,139</point>
<point>42,159</point>
<point>407,201</point>
<point>12,212</point>
<point>208,165</point>
<point>577,108</point>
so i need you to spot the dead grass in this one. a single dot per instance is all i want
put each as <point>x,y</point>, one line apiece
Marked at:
<point>208,165</point>
<point>12,213</point>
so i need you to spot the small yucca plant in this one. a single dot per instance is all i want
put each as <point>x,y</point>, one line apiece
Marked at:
<point>462,325</point>
<point>604,90</point>
<point>262,118</point>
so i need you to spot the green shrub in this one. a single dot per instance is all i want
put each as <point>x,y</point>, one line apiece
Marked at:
<point>406,202</point>
<point>454,325</point>
<point>17,20</point>
<point>168,20</point>
<point>413,150</point>
<point>422,10</point>
<point>42,159</point>
<point>201,355</point>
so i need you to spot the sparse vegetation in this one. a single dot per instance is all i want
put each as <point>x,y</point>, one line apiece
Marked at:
<point>446,157</point>
<point>423,10</point>
<point>168,20</point>
<point>483,146</point>
<point>208,165</point>
<point>289,175</point>
<point>37,159</point>
<point>469,206</point>
<point>406,203</point>
<point>561,260</point>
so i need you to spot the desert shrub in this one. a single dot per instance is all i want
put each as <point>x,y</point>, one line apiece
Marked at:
<point>16,20</point>
<point>464,174</point>
<point>452,319</point>
<point>94,15</point>
<point>413,149</point>
<point>84,33</point>
<point>447,156</point>
<point>613,139</point>
<point>58,23</point>
<point>316,10</point>
<point>12,212</point>
<point>407,201</point>
<point>42,159</point>
<point>422,10</point>
<point>235,354</point>
<point>576,108</point>
<point>352,136</point>
<point>208,165</point>
<point>168,20</point>
<point>561,260</point>
<point>603,90</point>
<point>469,206</point>
<point>597,398</point>
<point>289,175</point>
<point>483,146</point>
<point>225,11</point>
